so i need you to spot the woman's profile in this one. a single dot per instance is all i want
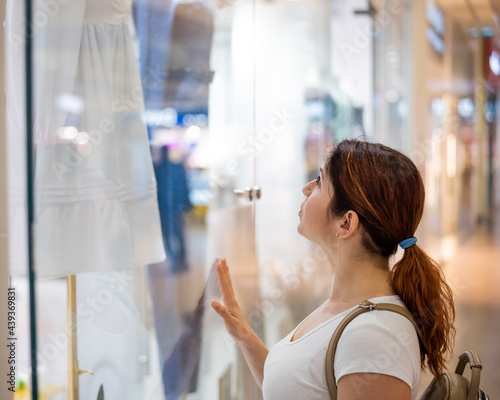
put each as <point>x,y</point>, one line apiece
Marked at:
<point>367,200</point>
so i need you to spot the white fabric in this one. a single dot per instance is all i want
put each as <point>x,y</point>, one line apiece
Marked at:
<point>375,342</point>
<point>96,205</point>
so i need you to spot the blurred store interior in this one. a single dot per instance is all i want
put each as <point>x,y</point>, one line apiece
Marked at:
<point>167,134</point>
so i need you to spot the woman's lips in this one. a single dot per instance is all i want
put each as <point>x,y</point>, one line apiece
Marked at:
<point>300,211</point>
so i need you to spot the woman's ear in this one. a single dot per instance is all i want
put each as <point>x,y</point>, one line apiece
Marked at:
<point>347,224</point>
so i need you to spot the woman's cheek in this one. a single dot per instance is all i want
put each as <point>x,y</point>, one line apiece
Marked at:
<point>311,210</point>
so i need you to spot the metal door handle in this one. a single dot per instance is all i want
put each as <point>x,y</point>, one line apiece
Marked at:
<point>244,193</point>
<point>248,193</point>
<point>258,191</point>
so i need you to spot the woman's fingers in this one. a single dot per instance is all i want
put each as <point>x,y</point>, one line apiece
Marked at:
<point>236,326</point>
<point>229,319</point>
<point>224,270</point>
<point>235,321</point>
<point>220,309</point>
<point>225,283</point>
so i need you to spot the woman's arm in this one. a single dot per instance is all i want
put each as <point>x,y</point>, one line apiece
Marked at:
<point>253,349</point>
<point>372,386</point>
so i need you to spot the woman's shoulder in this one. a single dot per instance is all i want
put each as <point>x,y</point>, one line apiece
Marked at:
<point>382,321</point>
<point>380,341</point>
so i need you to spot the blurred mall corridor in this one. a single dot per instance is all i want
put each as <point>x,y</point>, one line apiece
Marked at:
<point>474,274</point>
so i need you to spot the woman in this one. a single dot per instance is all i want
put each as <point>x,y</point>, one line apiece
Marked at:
<point>368,199</point>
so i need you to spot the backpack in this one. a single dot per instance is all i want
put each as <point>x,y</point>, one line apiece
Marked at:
<point>451,385</point>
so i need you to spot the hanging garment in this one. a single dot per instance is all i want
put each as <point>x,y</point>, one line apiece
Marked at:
<point>175,41</point>
<point>153,21</point>
<point>96,204</point>
<point>189,74</point>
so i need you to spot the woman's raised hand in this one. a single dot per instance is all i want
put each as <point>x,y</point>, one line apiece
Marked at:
<point>234,319</point>
<point>253,349</point>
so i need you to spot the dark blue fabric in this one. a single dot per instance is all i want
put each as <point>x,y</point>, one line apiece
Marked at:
<point>175,41</point>
<point>153,21</point>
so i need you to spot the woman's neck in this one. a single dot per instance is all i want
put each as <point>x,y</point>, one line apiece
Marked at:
<point>359,278</point>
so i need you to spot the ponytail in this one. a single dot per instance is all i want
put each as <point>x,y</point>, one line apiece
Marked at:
<point>420,283</point>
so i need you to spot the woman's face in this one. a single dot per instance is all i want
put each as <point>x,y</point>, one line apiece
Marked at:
<point>314,220</point>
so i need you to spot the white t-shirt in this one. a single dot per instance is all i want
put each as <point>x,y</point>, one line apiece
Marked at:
<point>375,342</point>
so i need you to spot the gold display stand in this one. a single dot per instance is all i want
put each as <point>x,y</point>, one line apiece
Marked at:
<point>73,369</point>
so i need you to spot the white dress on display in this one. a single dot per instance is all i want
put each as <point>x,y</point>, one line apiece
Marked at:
<point>96,204</point>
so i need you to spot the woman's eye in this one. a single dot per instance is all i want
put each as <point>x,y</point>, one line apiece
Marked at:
<point>318,181</point>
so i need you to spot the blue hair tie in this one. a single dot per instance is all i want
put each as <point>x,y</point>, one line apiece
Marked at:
<point>408,242</point>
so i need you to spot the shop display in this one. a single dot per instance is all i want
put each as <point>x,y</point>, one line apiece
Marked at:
<point>96,204</point>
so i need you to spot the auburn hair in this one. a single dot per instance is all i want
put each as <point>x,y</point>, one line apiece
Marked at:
<point>385,189</point>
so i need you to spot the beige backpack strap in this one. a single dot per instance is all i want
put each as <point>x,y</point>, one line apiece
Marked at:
<point>475,366</point>
<point>332,346</point>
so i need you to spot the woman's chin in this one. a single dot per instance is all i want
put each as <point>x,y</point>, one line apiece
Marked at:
<point>300,230</point>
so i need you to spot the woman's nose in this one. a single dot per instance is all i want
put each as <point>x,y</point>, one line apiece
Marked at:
<point>307,189</point>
